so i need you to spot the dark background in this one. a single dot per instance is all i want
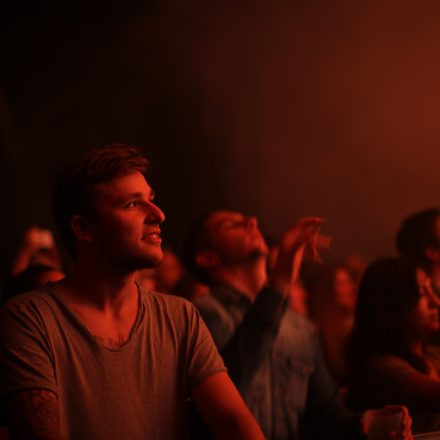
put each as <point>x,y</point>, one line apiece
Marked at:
<point>281,109</point>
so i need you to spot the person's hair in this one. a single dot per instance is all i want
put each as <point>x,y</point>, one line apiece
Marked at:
<point>198,240</point>
<point>416,233</point>
<point>387,292</point>
<point>73,192</point>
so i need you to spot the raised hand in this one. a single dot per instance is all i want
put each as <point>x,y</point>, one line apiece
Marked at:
<point>304,234</point>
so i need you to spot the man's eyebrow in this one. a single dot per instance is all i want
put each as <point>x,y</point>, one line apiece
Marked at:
<point>129,195</point>
<point>135,195</point>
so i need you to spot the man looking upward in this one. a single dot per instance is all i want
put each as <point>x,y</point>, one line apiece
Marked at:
<point>93,356</point>
<point>273,354</point>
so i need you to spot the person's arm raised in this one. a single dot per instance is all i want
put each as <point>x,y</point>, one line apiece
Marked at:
<point>223,409</point>
<point>33,415</point>
<point>253,338</point>
<point>304,234</point>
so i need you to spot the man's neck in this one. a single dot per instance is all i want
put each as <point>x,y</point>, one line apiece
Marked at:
<point>107,306</point>
<point>247,278</point>
<point>93,286</point>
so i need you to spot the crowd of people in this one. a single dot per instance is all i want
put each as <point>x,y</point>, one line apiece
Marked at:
<point>231,339</point>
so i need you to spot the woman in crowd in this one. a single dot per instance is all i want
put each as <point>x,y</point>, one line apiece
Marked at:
<point>388,355</point>
<point>331,298</point>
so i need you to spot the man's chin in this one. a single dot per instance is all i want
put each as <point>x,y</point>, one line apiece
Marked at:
<point>153,261</point>
<point>145,262</point>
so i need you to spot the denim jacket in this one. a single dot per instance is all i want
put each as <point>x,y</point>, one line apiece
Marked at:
<point>274,357</point>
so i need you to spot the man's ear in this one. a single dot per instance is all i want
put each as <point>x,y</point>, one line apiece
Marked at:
<point>432,254</point>
<point>207,259</point>
<point>81,228</point>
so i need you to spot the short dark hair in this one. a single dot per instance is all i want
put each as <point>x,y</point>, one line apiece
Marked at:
<point>198,240</point>
<point>416,233</point>
<point>72,193</point>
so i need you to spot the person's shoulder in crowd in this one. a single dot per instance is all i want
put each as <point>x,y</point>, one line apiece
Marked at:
<point>164,306</point>
<point>174,301</point>
<point>38,298</point>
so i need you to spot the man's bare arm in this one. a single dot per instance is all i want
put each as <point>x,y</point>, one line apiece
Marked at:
<point>33,415</point>
<point>224,411</point>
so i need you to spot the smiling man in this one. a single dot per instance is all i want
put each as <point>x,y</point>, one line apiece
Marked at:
<point>94,356</point>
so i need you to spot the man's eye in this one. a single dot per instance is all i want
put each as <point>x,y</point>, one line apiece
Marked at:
<point>132,204</point>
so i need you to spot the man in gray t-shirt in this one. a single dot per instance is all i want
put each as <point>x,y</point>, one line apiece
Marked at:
<point>93,356</point>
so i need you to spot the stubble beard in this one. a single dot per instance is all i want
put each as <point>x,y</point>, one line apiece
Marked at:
<point>133,262</point>
<point>252,256</point>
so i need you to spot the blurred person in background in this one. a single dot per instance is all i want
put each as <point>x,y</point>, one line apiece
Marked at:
<point>272,353</point>
<point>332,299</point>
<point>389,356</point>
<point>356,264</point>
<point>169,272</point>
<point>34,276</point>
<point>36,263</point>
<point>170,277</point>
<point>298,295</point>
<point>37,247</point>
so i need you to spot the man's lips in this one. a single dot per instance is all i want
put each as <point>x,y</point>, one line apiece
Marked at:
<point>152,236</point>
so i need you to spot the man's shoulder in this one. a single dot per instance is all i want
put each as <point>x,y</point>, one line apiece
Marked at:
<point>151,296</point>
<point>40,299</point>
<point>37,310</point>
<point>167,303</point>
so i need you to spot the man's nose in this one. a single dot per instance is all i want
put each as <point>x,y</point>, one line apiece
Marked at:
<point>154,214</point>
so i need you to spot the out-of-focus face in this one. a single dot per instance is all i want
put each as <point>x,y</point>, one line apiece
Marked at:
<point>169,272</point>
<point>235,237</point>
<point>344,289</point>
<point>424,316</point>
<point>126,224</point>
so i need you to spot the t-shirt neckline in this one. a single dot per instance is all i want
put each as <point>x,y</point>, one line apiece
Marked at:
<point>140,313</point>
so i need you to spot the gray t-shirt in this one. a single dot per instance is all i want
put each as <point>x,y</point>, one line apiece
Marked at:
<point>139,391</point>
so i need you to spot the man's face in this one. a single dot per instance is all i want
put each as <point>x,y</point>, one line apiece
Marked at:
<point>235,238</point>
<point>126,222</point>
